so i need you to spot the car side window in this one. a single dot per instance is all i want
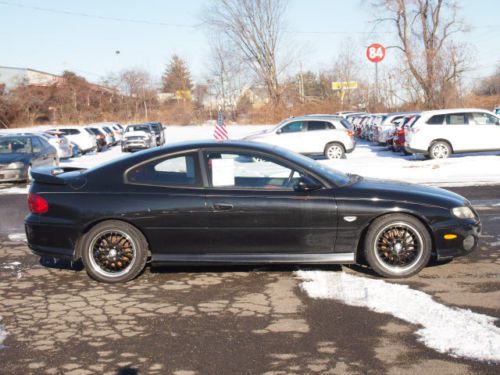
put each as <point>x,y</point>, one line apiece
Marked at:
<point>481,118</point>
<point>457,119</point>
<point>248,171</point>
<point>436,120</point>
<point>317,125</point>
<point>294,127</point>
<point>36,144</point>
<point>173,171</point>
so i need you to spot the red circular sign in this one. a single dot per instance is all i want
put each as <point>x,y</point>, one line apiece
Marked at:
<point>375,52</point>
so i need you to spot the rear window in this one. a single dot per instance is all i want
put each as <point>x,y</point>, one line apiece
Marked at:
<point>346,124</point>
<point>436,120</point>
<point>173,171</point>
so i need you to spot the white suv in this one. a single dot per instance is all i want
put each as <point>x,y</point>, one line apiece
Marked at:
<point>80,136</point>
<point>438,134</point>
<point>329,135</point>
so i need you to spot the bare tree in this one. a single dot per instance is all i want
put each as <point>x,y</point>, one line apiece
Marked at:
<point>424,30</point>
<point>255,28</point>
<point>137,85</point>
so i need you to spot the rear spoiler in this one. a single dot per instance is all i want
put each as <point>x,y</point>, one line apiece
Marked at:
<point>52,175</point>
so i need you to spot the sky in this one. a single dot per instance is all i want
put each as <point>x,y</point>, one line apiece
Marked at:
<point>83,36</point>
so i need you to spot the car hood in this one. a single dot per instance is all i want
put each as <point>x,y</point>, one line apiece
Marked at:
<point>258,135</point>
<point>406,192</point>
<point>135,133</point>
<point>11,158</point>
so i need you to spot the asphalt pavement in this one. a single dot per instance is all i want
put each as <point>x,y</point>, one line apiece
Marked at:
<point>225,320</point>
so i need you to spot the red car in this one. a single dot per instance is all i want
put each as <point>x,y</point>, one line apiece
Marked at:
<point>398,142</point>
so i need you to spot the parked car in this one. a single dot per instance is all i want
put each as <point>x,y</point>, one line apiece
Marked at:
<point>59,142</point>
<point>328,135</point>
<point>75,150</point>
<point>387,127</point>
<point>399,138</point>
<point>438,134</point>
<point>20,153</point>
<point>100,138</point>
<point>159,131</point>
<point>238,202</point>
<point>138,137</point>
<point>77,134</point>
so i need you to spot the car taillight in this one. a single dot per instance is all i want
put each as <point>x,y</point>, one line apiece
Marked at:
<point>37,204</point>
<point>350,133</point>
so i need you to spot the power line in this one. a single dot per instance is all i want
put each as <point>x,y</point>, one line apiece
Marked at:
<point>96,16</point>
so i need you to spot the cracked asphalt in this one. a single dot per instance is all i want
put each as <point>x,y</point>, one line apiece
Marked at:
<point>224,320</point>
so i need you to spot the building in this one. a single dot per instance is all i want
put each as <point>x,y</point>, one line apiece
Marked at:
<point>11,77</point>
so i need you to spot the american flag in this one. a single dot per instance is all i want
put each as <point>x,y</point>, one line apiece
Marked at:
<point>220,132</point>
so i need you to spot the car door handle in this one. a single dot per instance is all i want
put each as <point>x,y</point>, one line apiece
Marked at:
<point>223,206</point>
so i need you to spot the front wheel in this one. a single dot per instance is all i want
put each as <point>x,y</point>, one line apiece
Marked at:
<point>334,151</point>
<point>114,251</point>
<point>397,246</point>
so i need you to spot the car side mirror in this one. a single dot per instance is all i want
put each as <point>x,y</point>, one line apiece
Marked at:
<point>306,184</point>
<point>279,131</point>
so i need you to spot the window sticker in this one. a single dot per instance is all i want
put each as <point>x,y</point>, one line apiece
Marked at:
<point>223,172</point>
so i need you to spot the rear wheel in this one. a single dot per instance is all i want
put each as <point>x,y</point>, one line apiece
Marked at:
<point>114,251</point>
<point>397,246</point>
<point>334,151</point>
<point>439,150</point>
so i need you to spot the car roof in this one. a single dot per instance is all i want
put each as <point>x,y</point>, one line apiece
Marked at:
<point>453,110</point>
<point>325,117</point>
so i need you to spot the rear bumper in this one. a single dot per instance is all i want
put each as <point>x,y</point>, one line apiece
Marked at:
<point>51,239</point>
<point>13,175</point>
<point>350,148</point>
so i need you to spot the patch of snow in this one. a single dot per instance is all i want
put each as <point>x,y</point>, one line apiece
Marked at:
<point>18,237</point>
<point>15,266</point>
<point>3,334</point>
<point>453,331</point>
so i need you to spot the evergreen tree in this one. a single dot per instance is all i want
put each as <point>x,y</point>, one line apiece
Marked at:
<point>176,76</point>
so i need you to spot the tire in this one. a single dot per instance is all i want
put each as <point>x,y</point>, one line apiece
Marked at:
<point>392,233</point>
<point>129,252</point>
<point>440,150</point>
<point>334,150</point>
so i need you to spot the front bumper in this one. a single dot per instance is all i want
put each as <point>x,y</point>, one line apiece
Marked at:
<point>467,233</point>
<point>134,145</point>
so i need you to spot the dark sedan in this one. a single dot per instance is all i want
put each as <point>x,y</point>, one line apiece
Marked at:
<point>239,203</point>
<point>19,153</point>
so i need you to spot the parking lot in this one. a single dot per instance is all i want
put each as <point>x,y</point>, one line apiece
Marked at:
<point>228,320</point>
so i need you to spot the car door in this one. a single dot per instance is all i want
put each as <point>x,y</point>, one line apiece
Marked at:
<point>487,131</point>
<point>171,189</point>
<point>459,133</point>
<point>253,207</point>
<point>39,153</point>
<point>289,136</point>
<point>317,135</point>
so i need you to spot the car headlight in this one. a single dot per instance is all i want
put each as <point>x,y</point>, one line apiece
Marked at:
<point>463,212</point>
<point>16,165</point>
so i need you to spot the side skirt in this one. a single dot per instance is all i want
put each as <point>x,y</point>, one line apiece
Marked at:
<point>231,258</point>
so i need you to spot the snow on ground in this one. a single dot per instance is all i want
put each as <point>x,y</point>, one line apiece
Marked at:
<point>366,160</point>
<point>454,331</point>
<point>3,334</point>
<point>17,237</point>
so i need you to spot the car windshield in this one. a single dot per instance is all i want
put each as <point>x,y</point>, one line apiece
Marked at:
<point>138,128</point>
<point>15,145</point>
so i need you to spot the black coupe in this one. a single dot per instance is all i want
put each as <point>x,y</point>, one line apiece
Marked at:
<point>239,203</point>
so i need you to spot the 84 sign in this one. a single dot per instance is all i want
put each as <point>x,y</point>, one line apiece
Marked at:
<point>375,52</point>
